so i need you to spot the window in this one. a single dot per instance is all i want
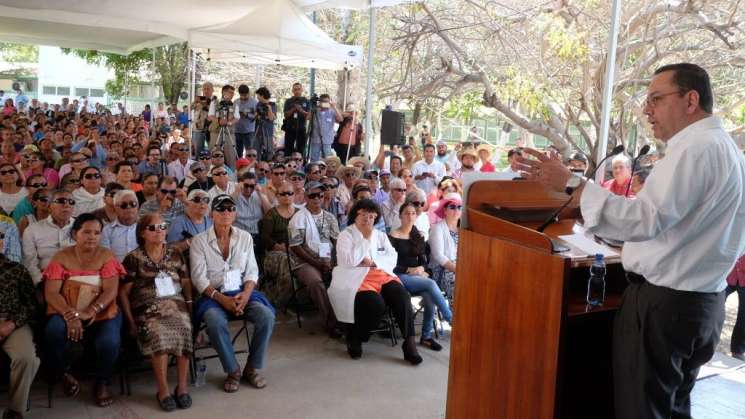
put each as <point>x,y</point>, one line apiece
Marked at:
<point>81,91</point>
<point>49,90</point>
<point>63,91</point>
<point>96,93</point>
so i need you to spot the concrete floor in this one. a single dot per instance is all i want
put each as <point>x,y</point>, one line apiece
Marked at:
<point>309,376</point>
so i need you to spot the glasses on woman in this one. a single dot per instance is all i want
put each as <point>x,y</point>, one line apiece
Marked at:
<point>217,156</point>
<point>219,174</point>
<point>417,204</point>
<point>201,200</point>
<point>128,205</point>
<point>154,227</point>
<point>90,176</point>
<point>7,172</point>
<point>286,193</point>
<point>44,199</point>
<point>38,185</point>
<point>225,208</point>
<point>454,207</point>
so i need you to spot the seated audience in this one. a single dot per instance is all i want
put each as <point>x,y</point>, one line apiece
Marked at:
<point>149,190</point>
<point>24,207</point>
<point>411,269</point>
<point>621,176</point>
<point>224,273</point>
<point>89,196</point>
<point>38,166</point>
<point>156,300</point>
<point>274,238</point>
<point>120,235</point>
<point>194,221</point>
<point>11,246</point>
<point>18,305</point>
<point>40,204</point>
<point>167,200</point>
<point>331,202</point>
<point>222,183</point>
<point>390,207</point>
<point>364,284</point>
<point>107,214</point>
<point>443,242</point>
<point>347,176</point>
<point>75,273</point>
<point>416,198</point>
<point>199,178</point>
<point>11,188</point>
<point>251,204</point>
<point>447,185</point>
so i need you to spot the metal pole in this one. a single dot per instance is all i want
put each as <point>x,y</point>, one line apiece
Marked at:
<point>190,98</point>
<point>368,95</point>
<point>610,73</point>
<point>313,70</point>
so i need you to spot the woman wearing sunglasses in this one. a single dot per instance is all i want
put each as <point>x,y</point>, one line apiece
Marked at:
<point>37,166</point>
<point>40,203</point>
<point>443,242</point>
<point>273,233</point>
<point>11,188</point>
<point>89,196</point>
<point>25,207</point>
<point>156,300</point>
<point>78,162</point>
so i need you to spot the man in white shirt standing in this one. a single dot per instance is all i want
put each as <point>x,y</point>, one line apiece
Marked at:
<point>683,234</point>
<point>428,172</point>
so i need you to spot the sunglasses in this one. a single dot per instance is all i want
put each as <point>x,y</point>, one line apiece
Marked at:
<point>228,208</point>
<point>63,201</point>
<point>205,158</point>
<point>74,181</point>
<point>183,150</point>
<point>454,207</point>
<point>296,179</point>
<point>168,191</point>
<point>7,172</point>
<point>161,227</point>
<point>314,195</point>
<point>38,185</point>
<point>78,160</point>
<point>290,193</point>
<point>251,155</point>
<point>92,176</point>
<point>249,185</point>
<point>217,156</point>
<point>128,205</point>
<point>398,190</point>
<point>219,173</point>
<point>201,200</point>
<point>417,204</point>
<point>329,186</point>
<point>43,199</point>
<point>278,173</point>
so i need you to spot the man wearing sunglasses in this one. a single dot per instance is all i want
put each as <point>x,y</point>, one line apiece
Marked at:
<point>180,167</point>
<point>44,238</point>
<point>218,160</point>
<point>194,221</point>
<point>198,178</point>
<point>251,204</point>
<point>222,185</point>
<point>120,235</point>
<point>313,233</point>
<point>168,201</point>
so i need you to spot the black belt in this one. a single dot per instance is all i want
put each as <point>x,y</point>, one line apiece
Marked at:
<point>635,278</point>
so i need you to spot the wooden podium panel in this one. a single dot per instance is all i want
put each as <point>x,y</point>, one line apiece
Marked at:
<point>525,344</point>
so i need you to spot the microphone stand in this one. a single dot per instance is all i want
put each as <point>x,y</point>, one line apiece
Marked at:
<point>642,152</point>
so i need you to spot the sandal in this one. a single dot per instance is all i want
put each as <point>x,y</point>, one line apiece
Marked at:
<point>167,404</point>
<point>72,386</point>
<point>255,379</point>
<point>232,383</point>
<point>101,395</point>
<point>183,401</point>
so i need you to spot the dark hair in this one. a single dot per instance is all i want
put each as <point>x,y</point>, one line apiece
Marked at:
<point>415,237</point>
<point>19,181</point>
<point>227,87</point>
<point>149,175</point>
<point>243,89</point>
<point>28,179</point>
<point>85,169</point>
<point>429,145</point>
<point>398,158</point>
<point>82,219</point>
<point>689,77</point>
<point>247,175</point>
<point>263,92</point>
<point>144,221</point>
<point>297,83</point>
<point>168,180</point>
<point>324,96</point>
<point>39,192</point>
<point>113,187</point>
<point>121,164</point>
<point>363,205</point>
<point>514,151</point>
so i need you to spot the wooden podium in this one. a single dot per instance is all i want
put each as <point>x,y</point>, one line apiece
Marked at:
<point>524,343</point>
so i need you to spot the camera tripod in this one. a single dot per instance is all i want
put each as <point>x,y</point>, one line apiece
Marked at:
<point>263,143</point>
<point>226,143</point>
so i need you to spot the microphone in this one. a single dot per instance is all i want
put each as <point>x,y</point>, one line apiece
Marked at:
<point>642,152</point>
<point>554,217</point>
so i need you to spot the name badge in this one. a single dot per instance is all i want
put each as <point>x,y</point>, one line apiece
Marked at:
<point>232,281</point>
<point>324,250</point>
<point>164,285</point>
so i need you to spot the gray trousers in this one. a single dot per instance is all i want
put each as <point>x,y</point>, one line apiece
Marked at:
<point>23,366</point>
<point>228,145</point>
<point>661,337</point>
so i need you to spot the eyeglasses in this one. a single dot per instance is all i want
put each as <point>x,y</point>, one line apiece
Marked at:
<point>249,185</point>
<point>201,200</point>
<point>183,150</point>
<point>63,201</point>
<point>398,190</point>
<point>128,205</point>
<point>314,195</point>
<point>78,160</point>
<point>652,101</point>
<point>7,172</point>
<point>74,181</point>
<point>38,185</point>
<point>228,208</point>
<point>219,173</point>
<point>290,193</point>
<point>92,176</point>
<point>454,207</point>
<point>43,199</point>
<point>417,204</point>
<point>161,227</point>
<point>217,156</point>
<point>168,191</point>
<point>205,158</point>
<point>329,186</point>
<point>296,178</point>
<point>278,173</point>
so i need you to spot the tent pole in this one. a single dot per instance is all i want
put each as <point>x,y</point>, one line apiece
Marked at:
<point>368,94</point>
<point>610,71</point>
<point>190,98</point>
<point>313,70</point>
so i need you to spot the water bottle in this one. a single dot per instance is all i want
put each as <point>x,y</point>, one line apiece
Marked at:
<point>596,283</point>
<point>201,368</point>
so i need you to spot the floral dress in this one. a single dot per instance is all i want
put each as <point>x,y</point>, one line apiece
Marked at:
<point>163,324</point>
<point>445,279</point>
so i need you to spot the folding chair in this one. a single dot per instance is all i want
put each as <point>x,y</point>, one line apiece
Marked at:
<point>204,346</point>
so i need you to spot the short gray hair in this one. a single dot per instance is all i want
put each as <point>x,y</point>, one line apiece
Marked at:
<point>416,195</point>
<point>622,158</point>
<point>121,194</point>
<point>397,183</point>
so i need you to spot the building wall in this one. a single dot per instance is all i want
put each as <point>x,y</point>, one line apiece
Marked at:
<point>62,75</point>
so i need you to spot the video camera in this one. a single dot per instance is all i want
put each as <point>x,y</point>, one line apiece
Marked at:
<point>223,109</point>
<point>314,100</point>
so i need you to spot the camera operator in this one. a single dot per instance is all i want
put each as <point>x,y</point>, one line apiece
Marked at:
<point>266,113</point>
<point>244,129</point>
<point>323,132</point>
<point>297,111</point>
<point>223,115</point>
<point>201,126</point>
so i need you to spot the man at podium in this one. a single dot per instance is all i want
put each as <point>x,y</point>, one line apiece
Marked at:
<point>682,237</point>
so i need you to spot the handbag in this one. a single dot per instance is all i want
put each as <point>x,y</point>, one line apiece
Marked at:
<point>80,291</point>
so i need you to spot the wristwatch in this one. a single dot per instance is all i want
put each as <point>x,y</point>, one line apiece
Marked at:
<point>574,182</point>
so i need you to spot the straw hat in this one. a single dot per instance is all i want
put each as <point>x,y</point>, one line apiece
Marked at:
<point>468,152</point>
<point>363,160</point>
<point>484,147</point>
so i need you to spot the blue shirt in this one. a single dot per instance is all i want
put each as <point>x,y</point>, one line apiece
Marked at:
<point>183,228</point>
<point>120,239</point>
<point>183,118</point>
<point>248,213</point>
<point>21,210</point>
<point>12,242</point>
<point>98,159</point>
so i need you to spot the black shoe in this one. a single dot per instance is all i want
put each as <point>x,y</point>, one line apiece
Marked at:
<point>431,344</point>
<point>167,404</point>
<point>410,352</point>
<point>11,414</point>
<point>183,401</point>
<point>354,348</point>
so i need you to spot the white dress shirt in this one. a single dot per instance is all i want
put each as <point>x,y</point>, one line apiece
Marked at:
<point>684,230</point>
<point>179,170</point>
<point>41,240</point>
<point>215,191</point>
<point>436,168</point>
<point>347,277</point>
<point>208,266</point>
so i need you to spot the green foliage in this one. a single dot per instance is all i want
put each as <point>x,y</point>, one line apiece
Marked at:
<point>19,53</point>
<point>465,107</point>
<point>525,90</point>
<point>740,115</point>
<point>565,41</point>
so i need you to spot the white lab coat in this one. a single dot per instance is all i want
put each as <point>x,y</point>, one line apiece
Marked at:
<point>442,245</point>
<point>346,278</point>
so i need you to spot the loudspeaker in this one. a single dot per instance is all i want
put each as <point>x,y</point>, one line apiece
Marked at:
<point>392,128</point>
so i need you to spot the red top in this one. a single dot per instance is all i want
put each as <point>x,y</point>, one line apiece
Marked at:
<point>617,189</point>
<point>736,278</point>
<point>488,167</point>
<point>56,272</point>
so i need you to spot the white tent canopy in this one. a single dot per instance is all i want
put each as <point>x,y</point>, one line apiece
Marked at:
<point>277,32</point>
<point>345,4</point>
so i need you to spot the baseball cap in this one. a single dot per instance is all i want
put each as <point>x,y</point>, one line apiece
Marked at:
<point>196,166</point>
<point>313,185</point>
<point>221,200</point>
<point>241,163</point>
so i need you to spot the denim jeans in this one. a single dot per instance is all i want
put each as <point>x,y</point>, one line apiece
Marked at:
<point>316,148</point>
<point>431,297</point>
<point>216,319</point>
<point>198,140</point>
<point>243,141</point>
<point>106,336</point>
